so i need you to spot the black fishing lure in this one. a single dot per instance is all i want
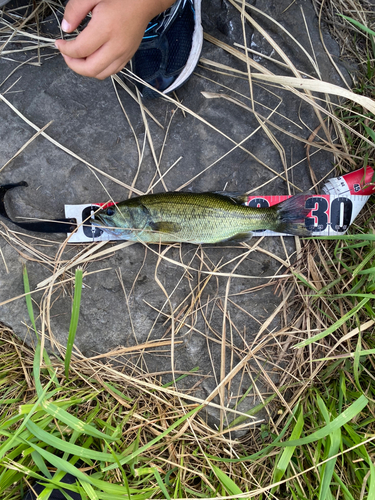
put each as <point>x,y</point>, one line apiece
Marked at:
<point>49,226</point>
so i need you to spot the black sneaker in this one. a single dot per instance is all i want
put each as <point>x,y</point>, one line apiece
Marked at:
<point>170,48</point>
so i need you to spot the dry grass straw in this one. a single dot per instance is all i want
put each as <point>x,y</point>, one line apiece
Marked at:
<point>353,45</point>
<point>310,283</point>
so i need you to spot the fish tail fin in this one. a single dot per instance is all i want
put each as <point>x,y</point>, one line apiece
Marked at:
<point>291,215</point>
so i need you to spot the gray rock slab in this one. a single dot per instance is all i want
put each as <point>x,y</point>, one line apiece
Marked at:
<point>123,299</point>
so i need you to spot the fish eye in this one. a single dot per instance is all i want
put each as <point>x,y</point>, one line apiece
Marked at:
<point>110,211</point>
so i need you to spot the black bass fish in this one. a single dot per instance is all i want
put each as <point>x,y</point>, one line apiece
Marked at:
<point>199,218</point>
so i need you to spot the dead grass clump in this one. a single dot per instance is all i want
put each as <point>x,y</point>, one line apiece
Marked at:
<point>355,46</point>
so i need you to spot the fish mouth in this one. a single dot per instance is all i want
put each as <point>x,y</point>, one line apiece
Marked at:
<point>103,226</point>
<point>100,222</point>
<point>96,220</point>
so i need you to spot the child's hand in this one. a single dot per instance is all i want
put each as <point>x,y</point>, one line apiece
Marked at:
<point>112,36</point>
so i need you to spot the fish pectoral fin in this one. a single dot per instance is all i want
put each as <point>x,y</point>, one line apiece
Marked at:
<point>165,227</point>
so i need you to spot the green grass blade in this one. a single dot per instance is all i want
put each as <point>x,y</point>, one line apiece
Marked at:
<point>61,464</point>
<point>181,377</point>
<point>371,489</point>
<point>253,411</point>
<point>358,25</point>
<point>366,352</point>
<point>67,467</point>
<point>90,491</point>
<point>116,391</point>
<point>123,474</point>
<point>29,303</point>
<point>36,370</point>
<point>357,439</point>
<point>352,411</point>
<point>6,446</point>
<point>287,453</point>
<point>66,446</point>
<point>370,132</point>
<point>135,447</point>
<point>160,483</point>
<point>344,488</point>
<point>74,422</point>
<point>74,319</point>
<point>335,326</point>
<point>332,445</point>
<point>304,281</point>
<point>352,294</point>
<point>369,257</point>
<point>227,483</point>
<point>356,363</point>
<point>345,237</point>
<point>82,492</point>
<point>40,463</point>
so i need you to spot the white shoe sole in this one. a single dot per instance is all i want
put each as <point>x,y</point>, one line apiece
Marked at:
<point>195,52</point>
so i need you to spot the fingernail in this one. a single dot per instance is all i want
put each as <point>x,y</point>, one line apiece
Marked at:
<point>65,26</point>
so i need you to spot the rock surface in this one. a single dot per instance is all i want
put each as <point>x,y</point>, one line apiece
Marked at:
<point>120,303</point>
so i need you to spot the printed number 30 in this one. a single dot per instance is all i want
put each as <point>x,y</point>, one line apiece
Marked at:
<point>341,213</point>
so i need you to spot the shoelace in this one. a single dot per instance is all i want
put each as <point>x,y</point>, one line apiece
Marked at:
<point>160,23</point>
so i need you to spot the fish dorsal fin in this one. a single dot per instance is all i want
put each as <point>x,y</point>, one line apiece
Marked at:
<point>235,196</point>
